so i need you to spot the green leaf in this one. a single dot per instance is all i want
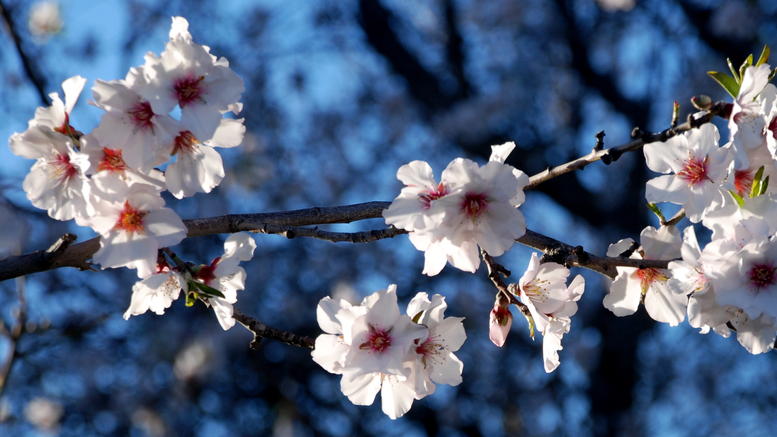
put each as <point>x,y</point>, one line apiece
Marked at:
<point>764,185</point>
<point>740,201</point>
<point>755,188</point>
<point>733,70</point>
<point>207,290</point>
<point>654,208</point>
<point>764,58</point>
<point>748,62</point>
<point>727,82</point>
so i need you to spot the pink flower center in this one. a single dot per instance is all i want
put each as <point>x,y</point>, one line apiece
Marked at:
<point>378,340</point>
<point>762,275</point>
<point>649,276</point>
<point>773,127</point>
<point>694,171</point>
<point>188,89</point>
<point>474,204</point>
<point>428,196</point>
<point>184,142</point>
<point>63,168</point>
<point>428,349</point>
<point>141,114</point>
<point>130,219</point>
<point>743,181</point>
<point>112,160</point>
<point>207,274</point>
<point>66,128</point>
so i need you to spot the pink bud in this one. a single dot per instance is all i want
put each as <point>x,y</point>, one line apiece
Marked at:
<point>499,322</point>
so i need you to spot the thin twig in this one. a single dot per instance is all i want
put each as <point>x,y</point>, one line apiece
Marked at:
<point>260,331</point>
<point>612,154</point>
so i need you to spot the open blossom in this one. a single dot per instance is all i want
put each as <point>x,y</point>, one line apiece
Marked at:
<point>187,75</point>
<point>748,120</point>
<point>130,124</point>
<point>633,285</point>
<point>198,167</point>
<point>133,224</point>
<point>109,164</point>
<point>156,292</point>
<point>432,360</point>
<point>472,206</point>
<point>57,181</point>
<point>697,167</point>
<point>544,290</point>
<point>225,275</point>
<point>746,277</point>
<point>376,348</point>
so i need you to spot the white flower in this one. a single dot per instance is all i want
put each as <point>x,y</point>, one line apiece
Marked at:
<point>133,224</point>
<point>649,284</point>
<point>156,292</point>
<point>698,168</point>
<point>130,124</point>
<point>369,345</point>
<point>187,75</point>
<point>225,275</point>
<point>198,167</point>
<point>748,120</point>
<point>472,206</point>
<point>109,163</point>
<point>432,359</point>
<point>745,277</point>
<point>552,303</point>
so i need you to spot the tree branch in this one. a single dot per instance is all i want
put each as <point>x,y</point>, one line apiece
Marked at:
<point>260,331</point>
<point>612,154</point>
<point>287,222</point>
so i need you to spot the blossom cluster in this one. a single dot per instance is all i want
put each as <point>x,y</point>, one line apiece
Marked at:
<point>731,282</point>
<point>112,178</point>
<point>550,303</point>
<point>378,349</point>
<point>472,206</point>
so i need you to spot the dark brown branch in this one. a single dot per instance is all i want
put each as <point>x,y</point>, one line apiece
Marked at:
<point>260,331</point>
<point>29,70</point>
<point>336,237</point>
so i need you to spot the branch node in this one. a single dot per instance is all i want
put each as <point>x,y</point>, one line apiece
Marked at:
<point>599,141</point>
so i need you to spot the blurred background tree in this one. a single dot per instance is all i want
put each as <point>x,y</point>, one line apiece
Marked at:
<point>339,94</point>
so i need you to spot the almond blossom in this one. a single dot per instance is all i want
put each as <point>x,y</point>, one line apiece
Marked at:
<point>225,275</point>
<point>198,167</point>
<point>376,348</point>
<point>697,168</point>
<point>432,359</point>
<point>748,120</point>
<point>133,224</point>
<point>57,180</point>
<point>633,285</point>
<point>130,124</point>
<point>187,75</point>
<point>156,292</point>
<point>543,289</point>
<point>473,206</point>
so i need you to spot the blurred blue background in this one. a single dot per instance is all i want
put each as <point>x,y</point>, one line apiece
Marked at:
<point>339,94</point>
